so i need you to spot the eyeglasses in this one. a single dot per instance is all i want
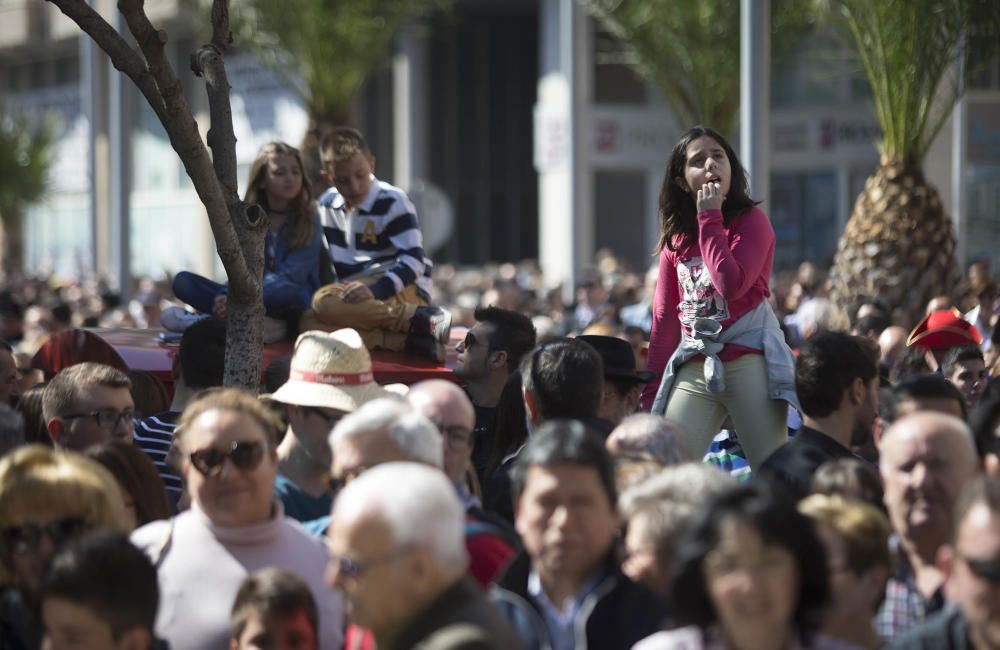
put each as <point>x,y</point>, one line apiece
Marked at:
<point>245,456</point>
<point>351,568</point>
<point>988,570</point>
<point>337,483</point>
<point>28,536</point>
<point>457,436</point>
<point>107,419</point>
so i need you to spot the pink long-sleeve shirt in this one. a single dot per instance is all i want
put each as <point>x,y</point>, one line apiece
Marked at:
<point>722,275</point>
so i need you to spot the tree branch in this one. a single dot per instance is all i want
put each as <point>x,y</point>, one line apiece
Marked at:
<point>185,137</point>
<point>122,56</point>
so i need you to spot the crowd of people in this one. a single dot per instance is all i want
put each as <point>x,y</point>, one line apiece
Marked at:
<point>702,456</point>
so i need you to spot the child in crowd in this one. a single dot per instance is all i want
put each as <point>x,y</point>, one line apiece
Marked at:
<point>100,592</point>
<point>383,278</point>
<point>274,609</point>
<point>716,346</point>
<point>291,247</point>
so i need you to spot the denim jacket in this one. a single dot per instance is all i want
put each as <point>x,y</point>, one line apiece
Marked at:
<point>757,329</point>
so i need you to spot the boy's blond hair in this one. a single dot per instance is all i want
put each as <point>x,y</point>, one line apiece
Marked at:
<point>341,144</point>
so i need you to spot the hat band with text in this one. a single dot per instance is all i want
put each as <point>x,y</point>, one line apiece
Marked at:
<point>332,378</point>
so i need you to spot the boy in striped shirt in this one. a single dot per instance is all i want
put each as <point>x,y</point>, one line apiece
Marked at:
<point>383,278</point>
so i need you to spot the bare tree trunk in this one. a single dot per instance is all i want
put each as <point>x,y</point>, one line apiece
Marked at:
<point>238,228</point>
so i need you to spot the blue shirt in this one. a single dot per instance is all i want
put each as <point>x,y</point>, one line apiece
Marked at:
<point>561,621</point>
<point>299,504</point>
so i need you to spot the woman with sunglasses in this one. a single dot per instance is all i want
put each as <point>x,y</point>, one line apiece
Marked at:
<point>47,497</point>
<point>227,440</point>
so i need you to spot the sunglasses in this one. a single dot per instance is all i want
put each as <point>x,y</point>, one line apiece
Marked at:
<point>245,456</point>
<point>470,340</point>
<point>988,570</point>
<point>330,419</point>
<point>28,536</point>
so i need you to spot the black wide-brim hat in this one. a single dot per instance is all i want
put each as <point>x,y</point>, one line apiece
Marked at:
<point>618,358</point>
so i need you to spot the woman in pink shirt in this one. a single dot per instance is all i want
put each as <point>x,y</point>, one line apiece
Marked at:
<point>716,249</point>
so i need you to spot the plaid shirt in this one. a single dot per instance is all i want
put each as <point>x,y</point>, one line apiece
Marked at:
<point>904,607</point>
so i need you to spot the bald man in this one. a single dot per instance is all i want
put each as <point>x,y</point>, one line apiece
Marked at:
<point>489,539</point>
<point>892,344</point>
<point>449,408</point>
<point>926,459</point>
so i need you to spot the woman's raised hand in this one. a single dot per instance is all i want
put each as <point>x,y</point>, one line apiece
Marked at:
<point>710,197</point>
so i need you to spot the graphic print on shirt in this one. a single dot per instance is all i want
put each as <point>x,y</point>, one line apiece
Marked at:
<point>699,299</point>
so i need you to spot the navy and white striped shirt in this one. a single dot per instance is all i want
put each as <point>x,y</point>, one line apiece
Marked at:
<point>379,235</point>
<point>154,435</point>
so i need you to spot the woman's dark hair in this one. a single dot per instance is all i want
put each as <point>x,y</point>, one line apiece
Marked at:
<point>777,522</point>
<point>511,429</point>
<point>149,394</point>
<point>138,477</point>
<point>678,211</point>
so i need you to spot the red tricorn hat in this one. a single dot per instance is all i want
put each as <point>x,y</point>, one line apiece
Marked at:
<point>944,329</point>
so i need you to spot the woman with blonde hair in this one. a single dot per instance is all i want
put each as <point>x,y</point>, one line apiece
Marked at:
<point>47,498</point>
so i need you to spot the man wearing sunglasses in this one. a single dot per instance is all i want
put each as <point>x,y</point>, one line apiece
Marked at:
<point>330,376</point>
<point>88,404</point>
<point>972,577</point>
<point>490,352</point>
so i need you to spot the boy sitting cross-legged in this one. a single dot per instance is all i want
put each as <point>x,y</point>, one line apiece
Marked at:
<point>383,277</point>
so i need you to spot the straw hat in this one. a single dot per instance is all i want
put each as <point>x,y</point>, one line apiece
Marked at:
<point>944,328</point>
<point>330,370</point>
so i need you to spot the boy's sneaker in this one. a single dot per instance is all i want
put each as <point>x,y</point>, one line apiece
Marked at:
<point>431,321</point>
<point>178,319</point>
<point>425,346</point>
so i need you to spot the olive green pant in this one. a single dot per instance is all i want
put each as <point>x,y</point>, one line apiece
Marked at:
<point>760,422</point>
<point>381,323</point>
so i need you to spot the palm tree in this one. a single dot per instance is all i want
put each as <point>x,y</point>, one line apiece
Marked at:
<point>691,49</point>
<point>25,160</point>
<point>324,49</point>
<point>917,55</point>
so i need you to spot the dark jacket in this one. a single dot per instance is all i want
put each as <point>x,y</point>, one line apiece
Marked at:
<point>460,619</point>
<point>793,464</point>
<point>946,630</point>
<point>616,614</point>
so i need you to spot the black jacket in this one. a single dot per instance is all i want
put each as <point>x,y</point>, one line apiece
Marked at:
<point>460,619</point>
<point>616,615</point>
<point>793,464</point>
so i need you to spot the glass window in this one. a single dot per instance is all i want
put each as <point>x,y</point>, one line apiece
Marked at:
<point>803,211</point>
<point>616,80</point>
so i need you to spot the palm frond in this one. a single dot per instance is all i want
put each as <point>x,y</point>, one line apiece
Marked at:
<point>26,156</point>
<point>917,55</point>
<point>691,49</point>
